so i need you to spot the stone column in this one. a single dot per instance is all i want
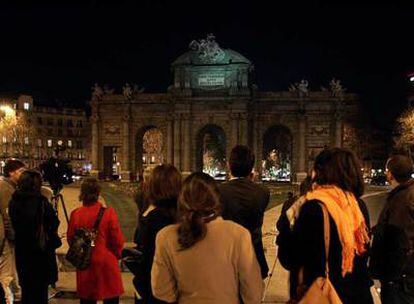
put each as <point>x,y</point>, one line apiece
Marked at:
<point>186,145</point>
<point>255,142</point>
<point>301,170</point>
<point>126,155</point>
<point>243,132</point>
<point>234,129</point>
<point>338,130</point>
<point>170,140</point>
<point>177,141</point>
<point>95,145</point>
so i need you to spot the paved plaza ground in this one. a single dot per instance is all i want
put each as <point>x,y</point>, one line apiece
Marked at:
<point>126,210</point>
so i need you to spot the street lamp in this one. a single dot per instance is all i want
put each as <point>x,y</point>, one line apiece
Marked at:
<point>8,110</point>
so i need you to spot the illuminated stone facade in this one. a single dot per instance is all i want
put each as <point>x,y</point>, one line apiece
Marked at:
<point>212,88</point>
<point>52,126</point>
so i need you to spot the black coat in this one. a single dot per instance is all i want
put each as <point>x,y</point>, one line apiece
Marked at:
<point>145,235</point>
<point>308,252</point>
<point>245,202</point>
<point>34,262</point>
<point>397,245</point>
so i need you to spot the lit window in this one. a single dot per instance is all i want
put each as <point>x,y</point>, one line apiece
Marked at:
<point>26,140</point>
<point>69,143</point>
<point>26,106</point>
<point>49,142</point>
<point>4,140</point>
<point>60,142</point>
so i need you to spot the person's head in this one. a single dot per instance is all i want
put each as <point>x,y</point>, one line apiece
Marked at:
<point>241,161</point>
<point>30,181</point>
<point>290,195</point>
<point>198,204</point>
<point>13,169</point>
<point>339,167</point>
<point>399,169</point>
<point>163,186</point>
<point>90,191</point>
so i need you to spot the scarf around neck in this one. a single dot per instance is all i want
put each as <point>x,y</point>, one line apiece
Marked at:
<point>343,207</point>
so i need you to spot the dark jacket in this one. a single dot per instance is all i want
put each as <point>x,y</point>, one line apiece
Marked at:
<point>397,219</point>
<point>30,213</point>
<point>283,241</point>
<point>308,253</point>
<point>245,202</point>
<point>148,227</point>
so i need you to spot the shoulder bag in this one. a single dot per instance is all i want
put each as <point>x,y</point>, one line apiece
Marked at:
<point>321,291</point>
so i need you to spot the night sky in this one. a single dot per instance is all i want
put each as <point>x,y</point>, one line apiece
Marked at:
<point>57,52</point>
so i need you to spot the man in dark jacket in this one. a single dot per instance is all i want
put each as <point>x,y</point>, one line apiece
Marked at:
<point>245,202</point>
<point>397,220</point>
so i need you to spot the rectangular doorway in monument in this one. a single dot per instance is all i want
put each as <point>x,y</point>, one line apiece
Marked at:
<point>111,162</point>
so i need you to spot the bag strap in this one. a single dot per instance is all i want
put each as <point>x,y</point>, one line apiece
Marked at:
<point>98,219</point>
<point>327,237</point>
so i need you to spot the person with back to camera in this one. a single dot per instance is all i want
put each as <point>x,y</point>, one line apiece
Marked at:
<point>102,279</point>
<point>285,238</point>
<point>161,194</point>
<point>337,186</point>
<point>392,256</point>
<point>244,201</point>
<point>203,258</point>
<point>8,274</point>
<point>35,224</point>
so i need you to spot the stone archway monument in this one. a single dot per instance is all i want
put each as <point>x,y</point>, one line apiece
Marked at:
<point>213,86</point>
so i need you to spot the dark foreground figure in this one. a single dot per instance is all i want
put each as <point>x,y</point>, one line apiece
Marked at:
<point>35,224</point>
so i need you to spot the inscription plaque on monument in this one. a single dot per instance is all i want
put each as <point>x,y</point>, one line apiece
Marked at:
<point>211,80</point>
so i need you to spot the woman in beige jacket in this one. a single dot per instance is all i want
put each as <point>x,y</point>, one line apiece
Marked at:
<point>203,258</point>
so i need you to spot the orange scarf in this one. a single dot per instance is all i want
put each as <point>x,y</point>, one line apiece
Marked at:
<point>352,229</point>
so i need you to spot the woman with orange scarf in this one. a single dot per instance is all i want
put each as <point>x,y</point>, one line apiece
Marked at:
<point>337,185</point>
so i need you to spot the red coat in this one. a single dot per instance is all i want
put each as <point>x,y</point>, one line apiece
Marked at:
<point>102,279</point>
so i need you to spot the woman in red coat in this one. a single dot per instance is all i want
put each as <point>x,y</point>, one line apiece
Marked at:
<point>102,279</point>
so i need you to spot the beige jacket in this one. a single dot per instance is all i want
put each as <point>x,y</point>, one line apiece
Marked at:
<point>217,269</point>
<point>7,188</point>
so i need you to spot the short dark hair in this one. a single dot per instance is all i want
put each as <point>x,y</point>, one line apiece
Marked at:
<point>401,167</point>
<point>340,167</point>
<point>30,182</point>
<point>12,164</point>
<point>90,191</point>
<point>241,161</point>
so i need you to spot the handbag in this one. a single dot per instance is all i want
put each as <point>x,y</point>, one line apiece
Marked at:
<point>133,259</point>
<point>321,291</point>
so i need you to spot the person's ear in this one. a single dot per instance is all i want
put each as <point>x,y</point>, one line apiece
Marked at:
<point>389,176</point>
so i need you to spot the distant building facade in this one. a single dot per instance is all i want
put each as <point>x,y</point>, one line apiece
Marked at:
<point>50,127</point>
<point>211,106</point>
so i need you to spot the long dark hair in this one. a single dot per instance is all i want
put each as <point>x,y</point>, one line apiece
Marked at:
<point>30,182</point>
<point>198,204</point>
<point>340,167</point>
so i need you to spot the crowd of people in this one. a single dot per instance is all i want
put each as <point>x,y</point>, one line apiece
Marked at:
<point>198,241</point>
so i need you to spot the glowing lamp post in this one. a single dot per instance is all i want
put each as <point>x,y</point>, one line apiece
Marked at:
<point>8,110</point>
